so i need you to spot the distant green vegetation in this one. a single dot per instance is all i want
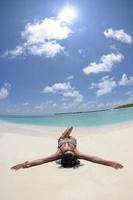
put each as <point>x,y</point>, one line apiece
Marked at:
<point>69,113</point>
<point>124,106</point>
<point>118,107</point>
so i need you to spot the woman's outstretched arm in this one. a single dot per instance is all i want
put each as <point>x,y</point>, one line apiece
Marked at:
<point>98,160</point>
<point>41,161</point>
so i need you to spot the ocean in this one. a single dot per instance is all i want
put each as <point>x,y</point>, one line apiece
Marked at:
<point>77,119</point>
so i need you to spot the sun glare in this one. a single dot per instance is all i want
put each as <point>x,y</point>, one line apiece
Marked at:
<point>67,15</point>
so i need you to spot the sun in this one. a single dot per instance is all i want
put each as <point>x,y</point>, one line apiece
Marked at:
<point>67,15</point>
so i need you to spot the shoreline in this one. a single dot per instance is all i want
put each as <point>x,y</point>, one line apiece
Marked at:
<point>129,122</point>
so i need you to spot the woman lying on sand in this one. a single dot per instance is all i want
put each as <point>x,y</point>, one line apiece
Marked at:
<point>68,154</point>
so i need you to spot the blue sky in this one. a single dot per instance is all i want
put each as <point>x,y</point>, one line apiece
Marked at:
<point>62,56</point>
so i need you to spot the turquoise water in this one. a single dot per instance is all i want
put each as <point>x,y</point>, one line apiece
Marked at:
<point>81,119</point>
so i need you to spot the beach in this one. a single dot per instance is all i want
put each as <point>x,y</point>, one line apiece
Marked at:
<point>19,143</point>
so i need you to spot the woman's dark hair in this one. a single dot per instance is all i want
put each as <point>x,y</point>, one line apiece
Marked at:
<point>69,160</point>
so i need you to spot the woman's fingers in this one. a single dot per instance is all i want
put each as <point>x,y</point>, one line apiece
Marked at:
<point>117,165</point>
<point>17,167</point>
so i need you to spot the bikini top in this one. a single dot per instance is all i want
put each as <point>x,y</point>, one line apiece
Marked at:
<point>67,140</point>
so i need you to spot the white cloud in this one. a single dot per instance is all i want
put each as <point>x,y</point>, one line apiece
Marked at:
<point>119,35</point>
<point>48,49</point>
<point>5,90</point>
<point>43,107</point>
<point>66,90</point>
<point>105,86</point>
<point>42,38</point>
<point>70,77</point>
<point>85,106</point>
<point>66,86</point>
<point>125,80</point>
<point>18,51</point>
<point>105,64</point>
<point>92,86</point>
<point>74,95</point>
<point>3,93</point>
<point>113,47</point>
<point>47,29</point>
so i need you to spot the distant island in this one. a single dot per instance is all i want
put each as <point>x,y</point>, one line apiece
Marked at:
<point>124,106</point>
<point>118,107</point>
<point>79,112</point>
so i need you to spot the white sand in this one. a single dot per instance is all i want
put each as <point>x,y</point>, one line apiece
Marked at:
<point>19,143</point>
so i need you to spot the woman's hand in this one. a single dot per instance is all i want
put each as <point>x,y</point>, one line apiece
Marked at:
<point>19,166</point>
<point>116,165</point>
